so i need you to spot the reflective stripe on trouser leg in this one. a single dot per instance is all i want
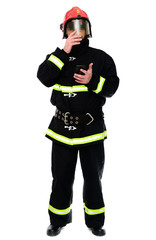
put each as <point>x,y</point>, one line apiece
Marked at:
<point>94,211</point>
<point>60,211</point>
<point>94,217</point>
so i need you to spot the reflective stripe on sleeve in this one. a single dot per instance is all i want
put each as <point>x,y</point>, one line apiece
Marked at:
<point>66,89</point>
<point>100,85</point>
<point>60,211</point>
<point>56,61</point>
<point>76,141</point>
<point>94,211</point>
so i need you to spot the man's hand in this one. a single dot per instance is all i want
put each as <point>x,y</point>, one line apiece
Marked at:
<point>84,79</point>
<point>71,41</point>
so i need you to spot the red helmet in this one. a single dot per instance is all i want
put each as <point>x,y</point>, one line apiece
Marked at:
<point>76,13</point>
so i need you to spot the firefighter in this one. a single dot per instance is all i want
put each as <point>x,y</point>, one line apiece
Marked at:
<point>81,78</point>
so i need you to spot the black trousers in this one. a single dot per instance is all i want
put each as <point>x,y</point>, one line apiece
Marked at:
<point>64,161</point>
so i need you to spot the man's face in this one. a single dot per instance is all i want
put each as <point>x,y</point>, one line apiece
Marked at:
<point>78,25</point>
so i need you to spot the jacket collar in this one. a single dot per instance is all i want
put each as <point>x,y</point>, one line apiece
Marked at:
<point>79,50</point>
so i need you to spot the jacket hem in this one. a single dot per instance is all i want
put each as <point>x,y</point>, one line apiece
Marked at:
<point>72,142</point>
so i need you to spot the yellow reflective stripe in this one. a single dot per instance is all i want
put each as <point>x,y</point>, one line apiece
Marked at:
<point>100,85</point>
<point>76,141</point>
<point>60,211</point>
<point>56,61</point>
<point>94,211</point>
<point>76,88</point>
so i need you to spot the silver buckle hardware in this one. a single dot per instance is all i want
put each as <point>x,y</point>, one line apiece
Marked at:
<point>65,118</point>
<point>72,58</point>
<point>92,119</point>
<point>70,95</point>
<point>70,128</point>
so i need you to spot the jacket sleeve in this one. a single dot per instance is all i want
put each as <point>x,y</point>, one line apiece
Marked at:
<point>49,71</point>
<point>107,83</point>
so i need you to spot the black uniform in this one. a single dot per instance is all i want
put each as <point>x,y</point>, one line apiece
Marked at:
<point>78,125</point>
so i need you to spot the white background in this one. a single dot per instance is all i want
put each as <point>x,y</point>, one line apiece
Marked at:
<point>29,31</point>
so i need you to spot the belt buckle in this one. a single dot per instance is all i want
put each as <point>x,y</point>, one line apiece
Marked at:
<point>70,128</point>
<point>92,119</point>
<point>65,118</point>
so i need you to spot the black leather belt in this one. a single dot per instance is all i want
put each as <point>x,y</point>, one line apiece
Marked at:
<point>77,119</point>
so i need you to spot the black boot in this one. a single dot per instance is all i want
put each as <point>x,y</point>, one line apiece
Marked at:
<point>98,231</point>
<point>53,230</point>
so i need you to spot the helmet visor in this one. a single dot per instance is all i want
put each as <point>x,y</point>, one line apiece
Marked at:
<point>78,25</point>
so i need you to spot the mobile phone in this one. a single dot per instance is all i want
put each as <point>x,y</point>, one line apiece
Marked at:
<point>78,67</point>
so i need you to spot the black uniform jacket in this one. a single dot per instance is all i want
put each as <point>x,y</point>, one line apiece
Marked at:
<point>68,96</point>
